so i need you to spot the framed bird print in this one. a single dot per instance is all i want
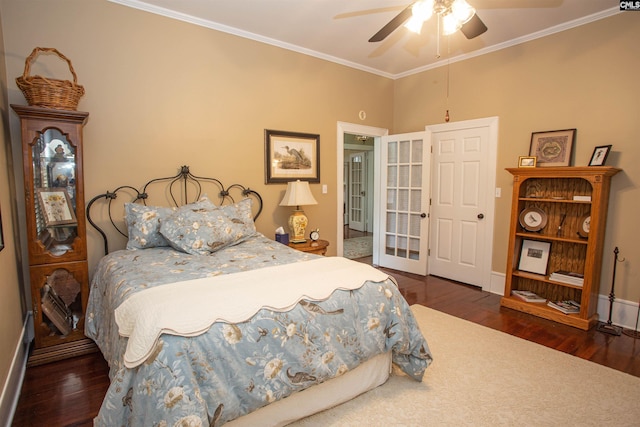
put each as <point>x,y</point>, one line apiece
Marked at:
<point>290,156</point>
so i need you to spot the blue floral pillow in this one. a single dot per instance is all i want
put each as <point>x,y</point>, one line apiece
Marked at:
<point>143,223</point>
<point>204,230</point>
<point>242,218</point>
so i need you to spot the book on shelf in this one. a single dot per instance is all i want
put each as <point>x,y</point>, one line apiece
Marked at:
<point>567,277</point>
<point>528,296</point>
<point>582,198</point>
<point>566,306</point>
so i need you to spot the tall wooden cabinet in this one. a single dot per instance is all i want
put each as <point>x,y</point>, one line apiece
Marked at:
<point>558,219</point>
<point>56,231</point>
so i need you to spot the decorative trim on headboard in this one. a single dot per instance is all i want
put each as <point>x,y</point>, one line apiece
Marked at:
<point>180,189</point>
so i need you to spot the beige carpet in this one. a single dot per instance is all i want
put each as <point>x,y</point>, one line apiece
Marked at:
<point>482,377</point>
<point>358,247</point>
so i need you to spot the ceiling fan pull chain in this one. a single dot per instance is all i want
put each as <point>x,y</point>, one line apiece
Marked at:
<point>438,39</point>
<point>446,116</point>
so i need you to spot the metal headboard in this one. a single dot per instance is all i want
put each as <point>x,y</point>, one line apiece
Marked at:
<point>179,190</point>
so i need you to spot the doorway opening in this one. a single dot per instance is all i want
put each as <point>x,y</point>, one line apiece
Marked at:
<point>358,173</point>
<point>357,147</point>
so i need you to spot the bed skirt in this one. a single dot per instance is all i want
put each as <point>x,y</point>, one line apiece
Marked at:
<point>371,374</point>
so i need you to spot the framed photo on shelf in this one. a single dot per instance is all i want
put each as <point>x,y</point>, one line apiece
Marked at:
<point>290,156</point>
<point>56,207</point>
<point>552,148</point>
<point>599,155</point>
<point>526,162</point>
<point>534,256</point>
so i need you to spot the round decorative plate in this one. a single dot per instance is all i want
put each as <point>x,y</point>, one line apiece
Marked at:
<point>533,219</point>
<point>584,225</point>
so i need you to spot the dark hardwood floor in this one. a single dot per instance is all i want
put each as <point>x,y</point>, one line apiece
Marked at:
<point>69,392</point>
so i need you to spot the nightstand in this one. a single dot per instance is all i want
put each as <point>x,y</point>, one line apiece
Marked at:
<point>318,247</point>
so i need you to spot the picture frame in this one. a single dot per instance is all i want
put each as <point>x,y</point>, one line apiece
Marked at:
<point>291,156</point>
<point>552,148</point>
<point>599,155</point>
<point>527,162</point>
<point>534,256</point>
<point>56,208</point>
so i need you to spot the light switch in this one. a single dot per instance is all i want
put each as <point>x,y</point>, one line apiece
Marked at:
<point>324,188</point>
<point>498,191</point>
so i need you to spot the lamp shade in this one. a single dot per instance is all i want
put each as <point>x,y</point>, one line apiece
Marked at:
<point>298,194</point>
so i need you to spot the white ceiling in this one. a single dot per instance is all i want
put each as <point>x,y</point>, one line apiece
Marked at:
<point>339,30</point>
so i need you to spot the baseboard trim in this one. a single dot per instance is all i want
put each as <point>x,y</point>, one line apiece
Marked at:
<point>624,312</point>
<point>13,385</point>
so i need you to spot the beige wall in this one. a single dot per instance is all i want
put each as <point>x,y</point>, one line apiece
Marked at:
<point>12,306</point>
<point>583,78</point>
<point>163,93</point>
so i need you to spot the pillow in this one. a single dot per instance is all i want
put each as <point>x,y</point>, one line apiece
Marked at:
<point>242,218</point>
<point>205,230</point>
<point>143,223</point>
<point>197,231</point>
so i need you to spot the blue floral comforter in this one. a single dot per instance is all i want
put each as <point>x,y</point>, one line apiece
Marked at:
<point>234,369</point>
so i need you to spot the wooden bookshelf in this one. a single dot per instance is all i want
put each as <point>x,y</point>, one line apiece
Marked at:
<point>572,246</point>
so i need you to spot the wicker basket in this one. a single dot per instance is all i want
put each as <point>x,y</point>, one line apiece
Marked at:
<point>47,92</point>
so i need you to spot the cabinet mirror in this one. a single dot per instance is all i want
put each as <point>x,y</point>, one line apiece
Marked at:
<point>54,185</point>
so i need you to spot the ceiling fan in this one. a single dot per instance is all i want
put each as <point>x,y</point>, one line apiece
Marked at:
<point>455,14</point>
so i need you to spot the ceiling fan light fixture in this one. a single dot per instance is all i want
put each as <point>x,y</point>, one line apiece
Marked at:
<point>450,24</point>
<point>421,11</point>
<point>462,10</point>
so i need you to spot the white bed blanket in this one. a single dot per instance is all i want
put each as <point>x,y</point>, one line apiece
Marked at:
<point>189,308</point>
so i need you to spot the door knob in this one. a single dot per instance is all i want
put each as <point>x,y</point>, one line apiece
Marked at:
<point>423,215</point>
<point>480,216</point>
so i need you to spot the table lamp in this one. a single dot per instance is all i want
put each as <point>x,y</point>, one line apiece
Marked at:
<point>298,194</point>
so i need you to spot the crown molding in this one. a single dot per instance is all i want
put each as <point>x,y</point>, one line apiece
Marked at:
<point>140,5</point>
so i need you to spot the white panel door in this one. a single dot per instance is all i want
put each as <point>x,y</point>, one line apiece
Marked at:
<point>357,189</point>
<point>459,204</point>
<point>404,208</point>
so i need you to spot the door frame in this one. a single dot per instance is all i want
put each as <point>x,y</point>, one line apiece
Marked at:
<point>352,128</point>
<point>492,124</point>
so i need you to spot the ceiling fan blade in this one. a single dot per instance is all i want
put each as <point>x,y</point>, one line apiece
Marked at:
<point>392,25</point>
<point>473,27</point>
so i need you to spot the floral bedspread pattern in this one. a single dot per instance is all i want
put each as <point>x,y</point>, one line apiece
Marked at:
<point>234,369</point>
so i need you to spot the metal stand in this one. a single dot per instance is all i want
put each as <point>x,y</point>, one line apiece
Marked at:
<point>610,328</point>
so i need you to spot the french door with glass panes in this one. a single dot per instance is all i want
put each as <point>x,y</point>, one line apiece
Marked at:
<point>404,212</point>
<point>357,188</point>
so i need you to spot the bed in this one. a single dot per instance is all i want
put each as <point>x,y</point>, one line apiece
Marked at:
<point>205,321</point>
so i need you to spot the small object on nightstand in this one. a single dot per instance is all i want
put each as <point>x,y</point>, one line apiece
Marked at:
<point>281,236</point>
<point>315,234</point>
<point>318,247</point>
